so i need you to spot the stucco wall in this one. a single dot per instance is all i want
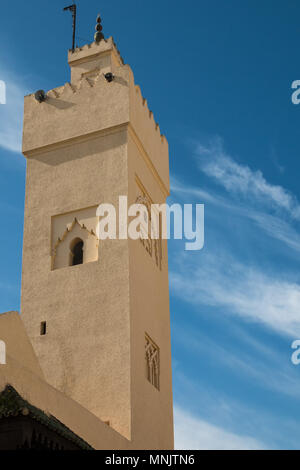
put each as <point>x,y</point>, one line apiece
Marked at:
<point>18,347</point>
<point>149,313</point>
<point>85,145</point>
<point>85,352</point>
<point>77,418</point>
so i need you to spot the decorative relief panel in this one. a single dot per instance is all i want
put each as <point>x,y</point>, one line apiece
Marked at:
<point>153,246</point>
<point>152,362</point>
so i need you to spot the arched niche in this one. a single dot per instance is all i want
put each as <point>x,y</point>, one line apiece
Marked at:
<point>76,246</point>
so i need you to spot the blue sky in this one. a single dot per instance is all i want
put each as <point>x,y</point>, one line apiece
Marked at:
<point>218,76</point>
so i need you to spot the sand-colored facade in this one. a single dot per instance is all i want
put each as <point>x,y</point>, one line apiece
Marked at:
<point>90,142</point>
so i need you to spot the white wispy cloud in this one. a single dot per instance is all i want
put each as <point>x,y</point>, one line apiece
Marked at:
<point>221,277</point>
<point>273,225</point>
<point>271,371</point>
<point>178,187</point>
<point>194,433</point>
<point>276,228</point>
<point>217,277</point>
<point>220,280</point>
<point>230,414</point>
<point>223,280</point>
<point>242,180</point>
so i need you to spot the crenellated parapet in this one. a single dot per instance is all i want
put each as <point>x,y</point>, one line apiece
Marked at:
<point>87,60</point>
<point>148,131</point>
<point>147,110</point>
<point>91,104</point>
<point>76,110</point>
<point>95,48</point>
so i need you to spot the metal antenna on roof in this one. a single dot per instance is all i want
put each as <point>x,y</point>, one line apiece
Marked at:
<point>73,9</point>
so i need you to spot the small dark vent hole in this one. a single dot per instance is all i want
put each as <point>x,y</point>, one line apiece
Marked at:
<point>43,328</point>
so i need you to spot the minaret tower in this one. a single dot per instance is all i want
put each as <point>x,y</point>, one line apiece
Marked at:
<point>97,311</point>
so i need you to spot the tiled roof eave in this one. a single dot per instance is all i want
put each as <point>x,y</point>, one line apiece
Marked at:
<point>12,405</point>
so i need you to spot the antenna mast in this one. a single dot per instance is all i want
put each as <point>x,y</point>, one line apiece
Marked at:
<point>73,9</point>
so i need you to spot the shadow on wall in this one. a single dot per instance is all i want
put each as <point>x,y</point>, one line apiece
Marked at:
<point>78,150</point>
<point>59,104</point>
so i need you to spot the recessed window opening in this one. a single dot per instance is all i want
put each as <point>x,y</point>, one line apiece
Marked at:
<point>77,252</point>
